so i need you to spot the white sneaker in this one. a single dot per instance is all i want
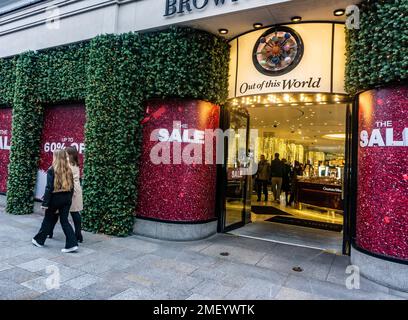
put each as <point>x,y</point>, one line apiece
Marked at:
<point>36,243</point>
<point>69,250</point>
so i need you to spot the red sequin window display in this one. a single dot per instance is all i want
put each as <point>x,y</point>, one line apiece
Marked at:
<point>177,192</point>
<point>382,200</point>
<point>63,127</point>
<point>5,139</point>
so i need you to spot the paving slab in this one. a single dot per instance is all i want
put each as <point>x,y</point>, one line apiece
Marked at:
<point>107,267</point>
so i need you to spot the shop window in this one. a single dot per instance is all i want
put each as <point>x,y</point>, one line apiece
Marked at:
<point>63,127</point>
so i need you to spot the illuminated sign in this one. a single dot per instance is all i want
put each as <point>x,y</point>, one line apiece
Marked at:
<point>303,58</point>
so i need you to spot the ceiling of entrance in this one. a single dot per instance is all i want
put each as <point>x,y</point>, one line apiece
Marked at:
<point>306,125</point>
<point>243,21</point>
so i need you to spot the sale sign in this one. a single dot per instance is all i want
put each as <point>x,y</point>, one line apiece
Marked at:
<point>382,200</point>
<point>178,189</point>
<point>63,127</point>
<point>5,139</point>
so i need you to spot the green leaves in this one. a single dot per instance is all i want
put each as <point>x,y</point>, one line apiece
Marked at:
<point>114,74</point>
<point>26,133</point>
<point>377,52</point>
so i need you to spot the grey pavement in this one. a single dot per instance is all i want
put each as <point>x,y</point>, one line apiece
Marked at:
<point>135,267</point>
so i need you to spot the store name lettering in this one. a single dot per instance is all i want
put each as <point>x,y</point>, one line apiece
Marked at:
<point>283,84</point>
<point>4,140</point>
<point>332,189</point>
<point>182,6</point>
<point>383,138</point>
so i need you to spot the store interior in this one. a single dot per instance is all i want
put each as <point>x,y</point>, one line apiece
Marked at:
<point>308,131</point>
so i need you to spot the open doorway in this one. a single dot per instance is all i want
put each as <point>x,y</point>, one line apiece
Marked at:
<point>307,140</point>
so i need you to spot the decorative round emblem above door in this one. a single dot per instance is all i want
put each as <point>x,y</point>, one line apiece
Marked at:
<point>277,51</point>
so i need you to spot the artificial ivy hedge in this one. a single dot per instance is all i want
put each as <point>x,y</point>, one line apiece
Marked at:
<point>114,75</point>
<point>377,52</point>
<point>7,80</point>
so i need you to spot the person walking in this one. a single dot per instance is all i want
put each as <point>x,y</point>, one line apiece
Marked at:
<point>58,197</point>
<point>296,171</point>
<point>286,180</point>
<point>277,172</point>
<point>77,199</point>
<point>262,177</point>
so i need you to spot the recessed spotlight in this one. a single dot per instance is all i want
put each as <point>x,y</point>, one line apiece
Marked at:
<point>257,25</point>
<point>338,12</point>
<point>296,19</point>
<point>223,31</point>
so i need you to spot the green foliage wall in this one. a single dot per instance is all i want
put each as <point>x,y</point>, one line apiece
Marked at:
<point>182,63</point>
<point>377,53</point>
<point>114,75</point>
<point>114,109</point>
<point>7,80</point>
<point>26,136</point>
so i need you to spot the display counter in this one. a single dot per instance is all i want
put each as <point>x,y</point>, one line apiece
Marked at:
<point>319,192</point>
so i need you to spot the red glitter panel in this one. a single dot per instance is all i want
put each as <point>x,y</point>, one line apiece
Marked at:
<point>63,127</point>
<point>177,192</point>
<point>5,138</point>
<point>382,200</point>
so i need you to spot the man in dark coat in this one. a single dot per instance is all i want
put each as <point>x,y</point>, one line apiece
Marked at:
<point>262,177</point>
<point>277,172</point>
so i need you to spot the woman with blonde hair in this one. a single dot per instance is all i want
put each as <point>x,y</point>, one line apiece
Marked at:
<point>77,202</point>
<point>58,197</point>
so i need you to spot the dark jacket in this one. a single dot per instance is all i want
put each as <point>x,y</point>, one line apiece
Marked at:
<point>277,168</point>
<point>49,190</point>
<point>264,171</point>
<point>286,177</point>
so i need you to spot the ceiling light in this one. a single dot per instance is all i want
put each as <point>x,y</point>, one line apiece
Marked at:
<point>257,25</point>
<point>223,31</point>
<point>296,19</point>
<point>338,12</point>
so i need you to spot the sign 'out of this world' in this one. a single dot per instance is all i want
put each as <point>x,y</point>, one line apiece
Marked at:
<point>305,57</point>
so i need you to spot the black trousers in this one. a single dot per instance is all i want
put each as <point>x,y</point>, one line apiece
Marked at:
<point>76,218</point>
<point>262,185</point>
<point>62,203</point>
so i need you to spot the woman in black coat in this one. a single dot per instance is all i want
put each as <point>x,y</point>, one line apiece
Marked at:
<point>58,197</point>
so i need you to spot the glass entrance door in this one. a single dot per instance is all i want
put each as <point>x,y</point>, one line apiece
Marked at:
<point>349,178</point>
<point>235,184</point>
